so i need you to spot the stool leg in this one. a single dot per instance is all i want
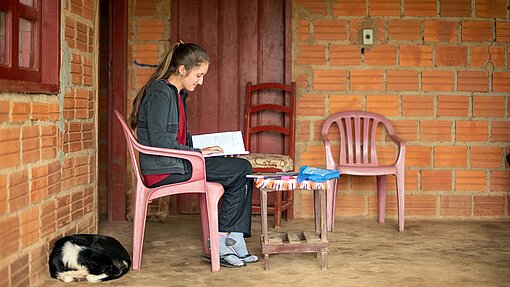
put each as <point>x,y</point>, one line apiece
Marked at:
<point>324,260</point>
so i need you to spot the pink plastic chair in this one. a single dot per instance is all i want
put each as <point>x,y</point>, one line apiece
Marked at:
<point>358,156</point>
<point>209,195</point>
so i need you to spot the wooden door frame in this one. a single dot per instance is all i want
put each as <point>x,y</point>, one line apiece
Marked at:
<point>117,96</point>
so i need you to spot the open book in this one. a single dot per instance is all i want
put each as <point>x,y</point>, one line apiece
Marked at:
<point>231,142</point>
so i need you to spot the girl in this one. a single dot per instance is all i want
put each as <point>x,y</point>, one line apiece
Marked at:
<point>159,114</point>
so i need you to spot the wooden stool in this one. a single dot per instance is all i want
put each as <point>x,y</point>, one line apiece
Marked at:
<point>300,242</point>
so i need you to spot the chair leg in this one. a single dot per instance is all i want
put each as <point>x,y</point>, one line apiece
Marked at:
<point>213,196</point>
<point>139,219</point>
<point>381,197</point>
<point>278,209</point>
<point>290,210</point>
<point>331,205</point>
<point>400,197</point>
<point>205,221</point>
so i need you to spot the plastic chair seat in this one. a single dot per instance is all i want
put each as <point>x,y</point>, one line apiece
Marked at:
<point>209,196</point>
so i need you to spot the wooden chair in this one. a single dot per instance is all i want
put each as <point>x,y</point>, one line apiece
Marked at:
<point>209,195</point>
<point>269,136</point>
<point>358,156</point>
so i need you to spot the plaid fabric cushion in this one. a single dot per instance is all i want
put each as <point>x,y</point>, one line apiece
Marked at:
<point>263,160</point>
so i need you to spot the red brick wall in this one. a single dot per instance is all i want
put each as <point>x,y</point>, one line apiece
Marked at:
<point>47,159</point>
<point>438,70</point>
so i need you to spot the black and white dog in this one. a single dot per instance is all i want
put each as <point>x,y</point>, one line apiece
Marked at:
<point>88,256</point>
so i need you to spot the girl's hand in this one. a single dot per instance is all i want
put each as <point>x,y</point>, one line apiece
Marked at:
<point>211,150</point>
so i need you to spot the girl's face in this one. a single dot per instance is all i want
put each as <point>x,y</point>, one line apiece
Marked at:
<point>195,77</point>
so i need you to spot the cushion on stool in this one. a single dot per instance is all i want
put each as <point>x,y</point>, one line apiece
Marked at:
<point>265,160</point>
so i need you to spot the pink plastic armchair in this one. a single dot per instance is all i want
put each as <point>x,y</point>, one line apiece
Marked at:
<point>209,195</point>
<point>358,156</point>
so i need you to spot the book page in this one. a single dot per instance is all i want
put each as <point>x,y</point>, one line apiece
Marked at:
<point>231,142</point>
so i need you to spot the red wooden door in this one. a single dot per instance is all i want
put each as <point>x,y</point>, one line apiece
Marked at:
<point>246,41</point>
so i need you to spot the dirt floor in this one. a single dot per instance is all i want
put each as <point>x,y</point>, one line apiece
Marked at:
<point>361,253</point>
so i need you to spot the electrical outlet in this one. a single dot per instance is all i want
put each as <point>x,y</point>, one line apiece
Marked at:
<point>368,37</point>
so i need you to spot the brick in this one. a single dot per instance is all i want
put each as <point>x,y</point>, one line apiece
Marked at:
<point>311,54</point>
<point>48,218</point>
<point>363,183</point>
<point>500,180</point>
<point>450,156</point>
<point>366,80</point>
<point>3,195</point>
<point>18,187</point>
<point>314,155</point>
<point>435,130</point>
<point>476,31</point>
<point>418,156</point>
<point>456,205</point>
<point>488,106</point>
<point>470,180</point>
<point>344,55</point>
<point>401,80</point>
<point>472,131</point>
<point>406,129</point>
<point>451,56</point>
<point>383,104</point>
<point>341,103</point>
<point>452,106</point>
<point>312,6</point>
<point>440,31</point>
<point>455,8</point>
<point>480,56</point>
<point>350,8</point>
<point>501,82</point>
<point>302,131</point>
<point>500,131</point>
<point>20,112</point>
<point>486,157</point>
<point>437,81</point>
<point>148,29</point>
<point>381,55</point>
<point>10,153</point>
<point>402,30</point>
<point>384,8</point>
<point>310,105</point>
<point>502,31</point>
<point>146,8</point>
<point>303,30</point>
<point>472,81</point>
<point>436,180</point>
<point>420,8</point>
<point>40,111</point>
<point>329,80</point>
<point>424,205</point>
<point>415,56</point>
<point>414,105</point>
<point>491,8</point>
<point>330,30</point>
<point>146,53</point>
<point>350,205</point>
<point>20,272</point>
<point>489,206</point>
<point>9,236</point>
<point>29,227</point>
<point>30,144</point>
<point>411,180</point>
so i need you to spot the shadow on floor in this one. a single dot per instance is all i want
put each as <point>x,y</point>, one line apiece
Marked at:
<point>362,253</point>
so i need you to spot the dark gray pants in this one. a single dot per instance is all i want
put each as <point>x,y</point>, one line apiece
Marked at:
<point>235,212</point>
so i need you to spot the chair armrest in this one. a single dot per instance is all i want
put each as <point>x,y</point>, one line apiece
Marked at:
<point>401,146</point>
<point>196,158</point>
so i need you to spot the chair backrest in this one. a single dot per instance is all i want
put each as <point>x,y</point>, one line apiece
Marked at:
<point>197,161</point>
<point>269,118</point>
<point>357,137</point>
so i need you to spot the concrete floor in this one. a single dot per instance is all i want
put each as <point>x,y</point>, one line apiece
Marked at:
<point>362,253</point>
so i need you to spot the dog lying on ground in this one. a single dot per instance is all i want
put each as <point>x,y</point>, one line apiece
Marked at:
<point>88,257</point>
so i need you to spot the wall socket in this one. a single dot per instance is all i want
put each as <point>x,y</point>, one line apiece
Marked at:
<point>368,37</point>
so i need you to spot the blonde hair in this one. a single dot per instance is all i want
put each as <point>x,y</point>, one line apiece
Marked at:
<point>190,55</point>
